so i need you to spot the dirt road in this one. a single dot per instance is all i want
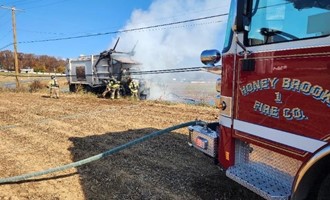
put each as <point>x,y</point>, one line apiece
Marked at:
<point>38,133</point>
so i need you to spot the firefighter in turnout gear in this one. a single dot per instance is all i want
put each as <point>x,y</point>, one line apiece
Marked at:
<point>54,88</point>
<point>134,88</point>
<point>112,87</point>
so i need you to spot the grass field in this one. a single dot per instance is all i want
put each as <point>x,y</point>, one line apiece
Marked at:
<point>38,133</point>
<point>185,92</point>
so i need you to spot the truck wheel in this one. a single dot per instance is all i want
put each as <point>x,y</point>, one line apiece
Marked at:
<point>88,88</point>
<point>143,97</point>
<point>72,88</point>
<point>324,192</point>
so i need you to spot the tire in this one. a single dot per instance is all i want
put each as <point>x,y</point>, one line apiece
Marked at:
<point>88,88</point>
<point>143,97</point>
<point>72,88</point>
<point>324,191</point>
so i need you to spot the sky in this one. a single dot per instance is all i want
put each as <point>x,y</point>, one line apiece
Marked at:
<point>39,20</point>
<point>51,19</point>
<point>167,33</point>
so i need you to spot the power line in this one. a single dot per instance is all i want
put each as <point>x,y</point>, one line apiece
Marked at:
<point>179,16</point>
<point>172,23</point>
<point>99,34</point>
<point>122,31</point>
<point>163,71</point>
<point>62,34</point>
<point>6,46</point>
<point>158,71</point>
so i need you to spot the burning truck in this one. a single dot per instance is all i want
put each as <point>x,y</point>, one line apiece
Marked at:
<point>92,73</point>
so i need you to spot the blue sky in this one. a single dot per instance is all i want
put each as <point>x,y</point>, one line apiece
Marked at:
<point>53,19</point>
<point>64,18</point>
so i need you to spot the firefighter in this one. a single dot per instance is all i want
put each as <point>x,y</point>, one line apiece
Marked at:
<point>115,90</point>
<point>112,87</point>
<point>107,89</point>
<point>134,88</point>
<point>54,88</point>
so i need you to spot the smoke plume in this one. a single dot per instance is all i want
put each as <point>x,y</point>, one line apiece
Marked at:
<point>176,46</point>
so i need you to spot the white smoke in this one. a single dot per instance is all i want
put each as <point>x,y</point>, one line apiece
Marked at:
<point>176,46</point>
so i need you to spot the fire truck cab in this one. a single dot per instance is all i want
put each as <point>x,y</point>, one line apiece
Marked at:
<point>273,132</point>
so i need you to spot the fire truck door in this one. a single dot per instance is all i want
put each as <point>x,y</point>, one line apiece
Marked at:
<point>282,80</point>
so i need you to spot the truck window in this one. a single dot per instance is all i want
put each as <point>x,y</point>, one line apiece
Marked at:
<point>275,21</point>
<point>80,72</point>
<point>230,23</point>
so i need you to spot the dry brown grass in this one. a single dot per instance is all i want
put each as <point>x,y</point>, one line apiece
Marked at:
<point>38,133</point>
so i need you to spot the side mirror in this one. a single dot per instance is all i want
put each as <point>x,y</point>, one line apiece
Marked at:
<point>210,57</point>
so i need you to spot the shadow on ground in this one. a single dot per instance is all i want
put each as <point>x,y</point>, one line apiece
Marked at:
<point>161,168</point>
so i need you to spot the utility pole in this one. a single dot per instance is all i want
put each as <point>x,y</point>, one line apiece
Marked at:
<point>13,9</point>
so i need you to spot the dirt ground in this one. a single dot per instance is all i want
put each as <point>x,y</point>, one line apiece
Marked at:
<point>39,133</point>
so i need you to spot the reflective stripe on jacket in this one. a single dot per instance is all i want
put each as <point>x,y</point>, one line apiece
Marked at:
<point>54,83</point>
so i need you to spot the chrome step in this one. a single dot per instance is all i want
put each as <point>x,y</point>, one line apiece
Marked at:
<point>263,184</point>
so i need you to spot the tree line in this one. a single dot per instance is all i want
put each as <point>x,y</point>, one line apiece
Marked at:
<point>39,63</point>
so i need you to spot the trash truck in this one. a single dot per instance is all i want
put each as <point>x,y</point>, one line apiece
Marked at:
<point>92,73</point>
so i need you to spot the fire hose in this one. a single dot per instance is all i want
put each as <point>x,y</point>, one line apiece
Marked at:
<point>107,153</point>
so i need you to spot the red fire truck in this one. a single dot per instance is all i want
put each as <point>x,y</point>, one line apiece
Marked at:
<point>273,132</point>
